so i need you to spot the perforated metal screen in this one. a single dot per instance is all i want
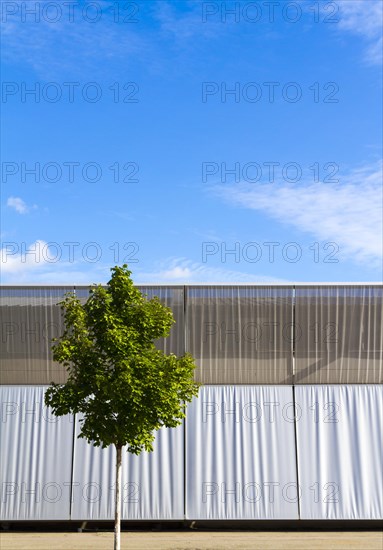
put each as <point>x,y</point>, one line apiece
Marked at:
<point>238,334</point>
<point>339,335</point>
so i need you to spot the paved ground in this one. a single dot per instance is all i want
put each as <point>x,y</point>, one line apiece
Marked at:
<point>195,540</point>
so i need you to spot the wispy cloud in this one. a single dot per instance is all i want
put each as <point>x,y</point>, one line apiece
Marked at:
<point>185,25</point>
<point>19,205</point>
<point>15,262</point>
<point>182,270</point>
<point>363,18</point>
<point>348,213</point>
<point>37,263</point>
<point>71,43</point>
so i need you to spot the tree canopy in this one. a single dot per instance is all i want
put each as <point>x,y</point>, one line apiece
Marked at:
<point>124,388</point>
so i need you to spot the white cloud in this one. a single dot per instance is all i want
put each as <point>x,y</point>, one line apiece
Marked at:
<point>19,205</point>
<point>363,18</point>
<point>186,24</point>
<point>182,270</point>
<point>347,213</point>
<point>374,52</point>
<point>58,38</point>
<point>18,258</point>
<point>40,262</point>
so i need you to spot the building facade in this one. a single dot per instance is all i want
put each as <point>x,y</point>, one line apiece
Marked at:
<point>287,424</point>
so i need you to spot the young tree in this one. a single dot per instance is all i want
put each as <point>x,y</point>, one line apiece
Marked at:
<point>122,386</point>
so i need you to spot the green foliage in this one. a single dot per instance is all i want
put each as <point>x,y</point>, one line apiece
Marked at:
<point>122,386</point>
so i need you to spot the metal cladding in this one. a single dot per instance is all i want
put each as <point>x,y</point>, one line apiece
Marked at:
<point>287,424</point>
<point>30,318</point>
<point>285,335</point>
<point>241,335</point>
<point>339,335</point>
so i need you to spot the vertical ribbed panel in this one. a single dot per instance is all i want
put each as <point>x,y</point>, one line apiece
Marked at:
<point>30,318</point>
<point>240,454</point>
<point>237,334</point>
<point>36,457</point>
<point>339,335</point>
<point>340,450</point>
<point>152,483</point>
<point>241,335</point>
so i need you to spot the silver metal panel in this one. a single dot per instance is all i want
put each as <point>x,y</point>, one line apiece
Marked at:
<point>30,318</point>
<point>339,335</point>
<point>340,455</point>
<point>152,483</point>
<point>240,335</point>
<point>36,457</point>
<point>240,454</point>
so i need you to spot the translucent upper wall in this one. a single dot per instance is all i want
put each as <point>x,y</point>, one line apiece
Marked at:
<point>30,318</point>
<point>241,334</point>
<point>339,335</point>
<point>310,334</point>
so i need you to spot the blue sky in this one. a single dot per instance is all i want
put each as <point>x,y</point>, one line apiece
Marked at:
<point>196,141</point>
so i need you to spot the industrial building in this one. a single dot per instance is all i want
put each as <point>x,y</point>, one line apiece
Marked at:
<point>287,426</point>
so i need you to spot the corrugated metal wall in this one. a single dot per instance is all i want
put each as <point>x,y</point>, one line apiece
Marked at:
<point>241,335</point>
<point>339,335</point>
<point>30,318</point>
<point>238,334</point>
<point>262,353</point>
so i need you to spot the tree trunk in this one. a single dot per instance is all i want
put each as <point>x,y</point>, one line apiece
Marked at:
<point>117,516</point>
